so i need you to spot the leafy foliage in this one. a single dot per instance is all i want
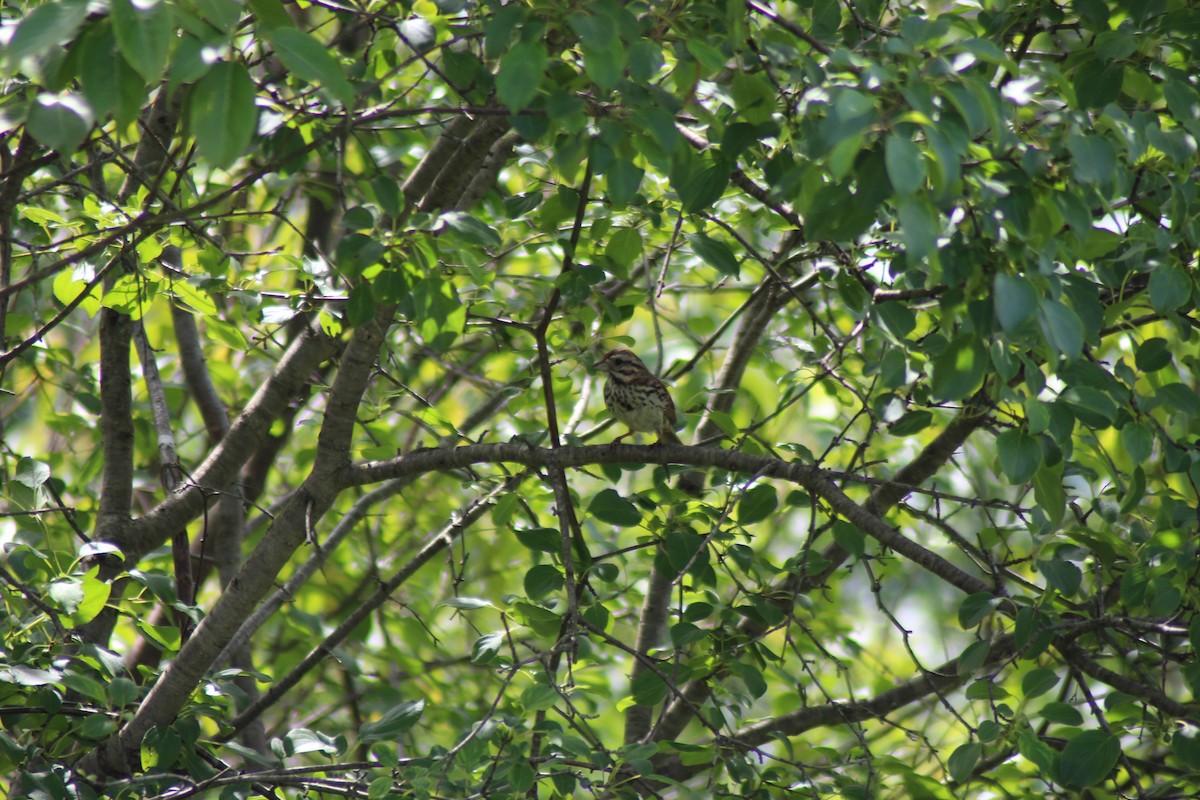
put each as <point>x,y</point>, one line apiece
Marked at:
<point>301,481</point>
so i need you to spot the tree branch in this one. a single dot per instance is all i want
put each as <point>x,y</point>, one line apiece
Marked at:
<point>118,753</point>
<point>221,467</point>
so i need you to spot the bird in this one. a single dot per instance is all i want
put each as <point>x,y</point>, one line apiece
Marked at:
<point>637,398</point>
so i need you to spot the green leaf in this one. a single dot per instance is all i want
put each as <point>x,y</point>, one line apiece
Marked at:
<point>160,749</point>
<point>1097,82</point>
<point>959,369</point>
<point>973,658</point>
<point>43,29</point>
<point>1153,354</point>
<point>1037,751</point>
<point>223,114</point>
<point>192,298</point>
<point>1134,491</point>
<point>543,579</point>
<point>751,676</point>
<point>1062,576</point>
<point>31,472</point>
<point>975,607</point>
<point>1061,327</point>
<point>849,538</point>
<point>130,295</point>
<point>311,61</point>
<point>222,14</point>
<point>1038,682</point>
<point>597,31</point>
<point>1020,455</point>
<point>1185,745</point>
<point>624,246</point>
<point>60,122</point>
<point>521,775</point>
<point>604,67</point>
<point>1095,158</point>
<point>850,115</point>
<point>1049,494</point>
<point>758,503</point>
<point>837,214</point>
<point>438,310</point>
<point>701,189</point>
<point>67,593</point>
<point>912,422</point>
<point>520,73</point>
<point>270,14</point>
<point>624,178</point>
<point>360,306</point>
<point>143,34</point>
<point>919,226</point>
<point>1062,713</point>
<point>648,689</point>
<point>685,633</point>
<point>715,253</point>
<point>543,540</point>
<point>470,228</point>
<point>963,760</point>
<point>231,336</point>
<point>645,60</point>
<point>1170,288</point>
<point>467,603</point>
<point>896,318</point>
<point>610,507</point>
<point>1088,758</point>
<point>395,722</point>
<point>684,550</point>
<point>390,285</point>
<point>1015,300</point>
<point>1180,397</point>
<point>753,96</point>
<point>1138,441</point>
<point>905,164</point>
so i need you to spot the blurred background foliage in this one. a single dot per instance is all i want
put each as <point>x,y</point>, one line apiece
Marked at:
<point>943,252</point>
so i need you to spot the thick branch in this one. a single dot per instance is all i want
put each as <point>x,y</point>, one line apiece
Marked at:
<point>116,424</point>
<point>195,372</point>
<point>222,465</point>
<point>813,479</point>
<point>934,682</point>
<point>118,753</point>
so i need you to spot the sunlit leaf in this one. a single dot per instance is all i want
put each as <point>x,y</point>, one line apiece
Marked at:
<point>395,722</point>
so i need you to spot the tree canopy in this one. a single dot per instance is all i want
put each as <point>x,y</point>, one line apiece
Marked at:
<point>307,477</point>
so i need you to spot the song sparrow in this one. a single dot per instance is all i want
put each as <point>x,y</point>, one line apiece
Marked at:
<point>637,398</point>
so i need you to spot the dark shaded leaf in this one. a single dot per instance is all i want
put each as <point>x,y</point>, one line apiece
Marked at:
<point>959,369</point>
<point>1088,758</point>
<point>610,507</point>
<point>543,579</point>
<point>1038,682</point>
<point>758,503</point>
<point>714,252</point>
<point>1020,455</point>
